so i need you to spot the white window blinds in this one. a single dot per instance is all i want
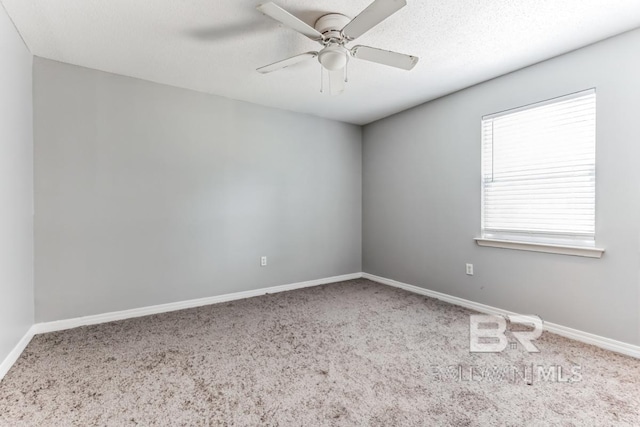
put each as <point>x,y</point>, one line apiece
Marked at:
<point>538,171</point>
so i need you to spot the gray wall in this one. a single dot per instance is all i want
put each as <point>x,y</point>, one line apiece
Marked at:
<point>421,192</point>
<point>16,187</point>
<point>148,194</point>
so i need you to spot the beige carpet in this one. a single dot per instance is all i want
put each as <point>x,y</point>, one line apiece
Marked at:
<point>351,353</point>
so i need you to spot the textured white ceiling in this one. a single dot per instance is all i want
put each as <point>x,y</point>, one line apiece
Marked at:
<point>215,46</point>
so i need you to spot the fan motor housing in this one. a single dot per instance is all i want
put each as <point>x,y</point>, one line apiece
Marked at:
<point>331,25</point>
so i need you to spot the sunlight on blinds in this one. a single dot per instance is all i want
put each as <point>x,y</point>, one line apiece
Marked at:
<point>538,171</point>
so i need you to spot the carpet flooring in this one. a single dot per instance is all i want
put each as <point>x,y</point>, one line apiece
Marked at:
<point>345,354</point>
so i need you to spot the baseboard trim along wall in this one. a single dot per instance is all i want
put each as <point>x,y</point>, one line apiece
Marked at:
<point>59,325</point>
<point>574,334</point>
<point>12,357</point>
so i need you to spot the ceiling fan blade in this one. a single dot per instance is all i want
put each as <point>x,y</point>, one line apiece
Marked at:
<point>223,33</point>
<point>385,57</point>
<point>336,82</point>
<point>286,62</point>
<point>279,14</point>
<point>374,14</point>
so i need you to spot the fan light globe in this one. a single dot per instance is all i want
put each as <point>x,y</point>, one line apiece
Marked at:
<point>333,58</point>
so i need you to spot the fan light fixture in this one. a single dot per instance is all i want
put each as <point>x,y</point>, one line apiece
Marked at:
<point>333,57</point>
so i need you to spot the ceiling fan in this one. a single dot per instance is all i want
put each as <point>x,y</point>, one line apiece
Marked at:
<point>333,31</point>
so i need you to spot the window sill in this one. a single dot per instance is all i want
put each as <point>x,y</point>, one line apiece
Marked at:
<point>542,247</point>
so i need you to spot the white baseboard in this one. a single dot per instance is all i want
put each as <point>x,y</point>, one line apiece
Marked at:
<point>13,356</point>
<point>60,325</point>
<point>574,334</point>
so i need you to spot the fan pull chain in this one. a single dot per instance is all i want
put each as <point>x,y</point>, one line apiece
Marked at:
<point>346,72</point>
<point>321,81</point>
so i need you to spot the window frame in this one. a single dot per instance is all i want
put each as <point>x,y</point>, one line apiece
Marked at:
<point>531,241</point>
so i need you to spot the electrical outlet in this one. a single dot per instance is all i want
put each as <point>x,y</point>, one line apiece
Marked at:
<point>470,269</point>
<point>263,261</point>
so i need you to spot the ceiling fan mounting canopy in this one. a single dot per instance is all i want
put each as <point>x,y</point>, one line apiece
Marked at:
<point>333,31</point>
<point>331,25</point>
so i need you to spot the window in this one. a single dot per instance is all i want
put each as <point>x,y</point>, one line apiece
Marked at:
<point>539,171</point>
